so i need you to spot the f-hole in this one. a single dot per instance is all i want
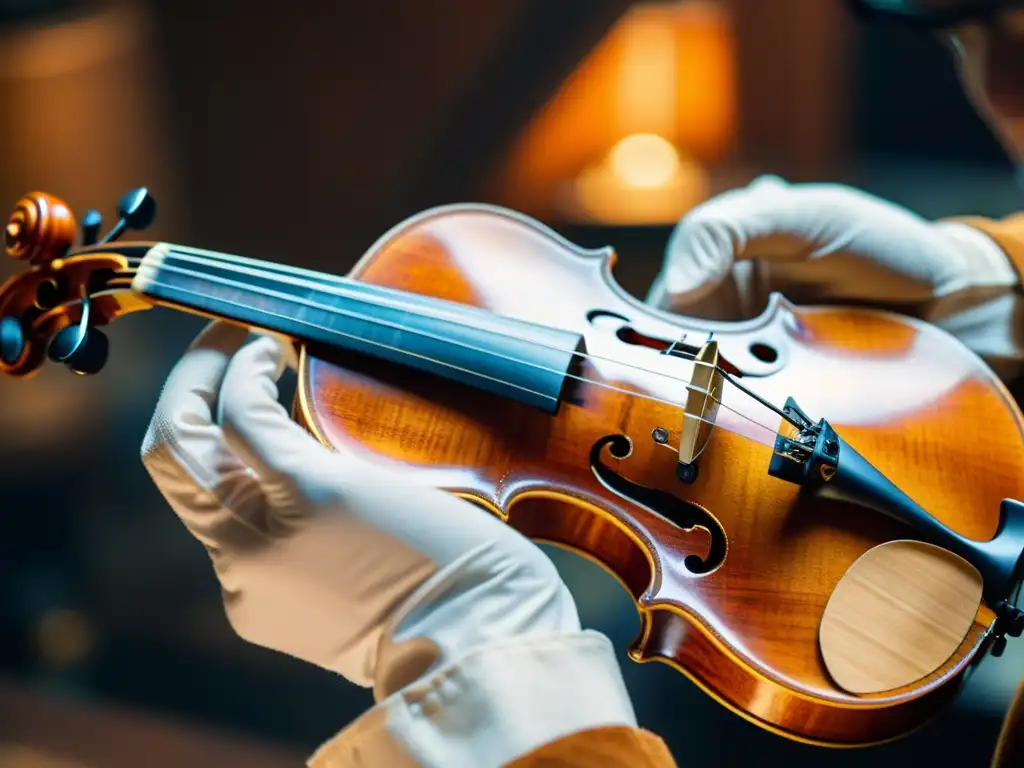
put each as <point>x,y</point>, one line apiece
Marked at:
<point>678,511</point>
<point>764,352</point>
<point>627,334</point>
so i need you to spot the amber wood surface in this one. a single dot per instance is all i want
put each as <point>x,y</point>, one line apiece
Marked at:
<point>918,405</point>
<point>898,614</point>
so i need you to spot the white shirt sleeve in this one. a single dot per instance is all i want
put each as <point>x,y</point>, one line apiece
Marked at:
<point>492,706</point>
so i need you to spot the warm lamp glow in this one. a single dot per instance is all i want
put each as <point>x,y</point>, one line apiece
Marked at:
<point>644,160</point>
<point>639,183</point>
<point>637,124</point>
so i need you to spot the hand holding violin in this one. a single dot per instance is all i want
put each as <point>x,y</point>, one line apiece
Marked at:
<point>444,611</point>
<point>828,243</point>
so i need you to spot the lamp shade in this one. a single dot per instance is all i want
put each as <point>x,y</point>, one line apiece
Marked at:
<point>629,136</point>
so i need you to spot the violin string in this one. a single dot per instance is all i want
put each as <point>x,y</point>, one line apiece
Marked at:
<point>347,288</point>
<point>403,328</point>
<point>605,385</point>
<point>400,327</point>
<point>280,272</point>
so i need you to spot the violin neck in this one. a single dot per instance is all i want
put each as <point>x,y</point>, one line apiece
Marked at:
<point>513,358</point>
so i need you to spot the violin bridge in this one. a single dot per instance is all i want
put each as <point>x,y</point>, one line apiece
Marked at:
<point>703,392</point>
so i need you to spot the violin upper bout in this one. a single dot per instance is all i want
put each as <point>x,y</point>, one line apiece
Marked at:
<point>481,255</point>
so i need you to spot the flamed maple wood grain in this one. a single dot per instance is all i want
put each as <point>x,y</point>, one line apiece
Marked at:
<point>918,405</point>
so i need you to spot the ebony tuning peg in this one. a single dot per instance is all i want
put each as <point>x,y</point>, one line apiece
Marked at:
<point>12,340</point>
<point>999,646</point>
<point>1016,628</point>
<point>90,358</point>
<point>91,223</point>
<point>135,210</point>
<point>83,350</point>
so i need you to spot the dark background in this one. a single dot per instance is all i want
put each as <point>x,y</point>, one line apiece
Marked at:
<point>299,132</point>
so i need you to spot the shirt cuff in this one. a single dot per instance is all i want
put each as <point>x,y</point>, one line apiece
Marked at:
<point>490,707</point>
<point>990,265</point>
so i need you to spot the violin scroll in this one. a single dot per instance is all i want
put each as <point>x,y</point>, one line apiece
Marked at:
<point>41,228</point>
<point>53,309</point>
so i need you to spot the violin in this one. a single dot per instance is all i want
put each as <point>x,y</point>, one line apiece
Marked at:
<point>734,477</point>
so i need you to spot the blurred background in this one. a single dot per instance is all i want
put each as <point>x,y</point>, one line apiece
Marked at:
<point>300,132</point>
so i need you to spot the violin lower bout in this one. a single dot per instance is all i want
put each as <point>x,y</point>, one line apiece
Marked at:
<point>746,632</point>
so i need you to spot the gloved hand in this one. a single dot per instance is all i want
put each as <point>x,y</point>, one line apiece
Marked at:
<point>817,243</point>
<point>349,566</point>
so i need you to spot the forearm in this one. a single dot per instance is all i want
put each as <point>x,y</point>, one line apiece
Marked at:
<point>1008,234</point>
<point>1010,747</point>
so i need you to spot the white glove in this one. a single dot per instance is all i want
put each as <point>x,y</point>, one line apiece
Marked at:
<point>347,565</point>
<point>831,243</point>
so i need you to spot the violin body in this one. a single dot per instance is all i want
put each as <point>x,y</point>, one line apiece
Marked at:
<point>731,572</point>
<point>474,350</point>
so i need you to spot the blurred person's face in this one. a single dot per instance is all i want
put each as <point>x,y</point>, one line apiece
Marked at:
<point>987,37</point>
<point>991,59</point>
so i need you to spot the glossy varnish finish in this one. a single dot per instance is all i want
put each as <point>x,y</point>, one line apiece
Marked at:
<point>919,406</point>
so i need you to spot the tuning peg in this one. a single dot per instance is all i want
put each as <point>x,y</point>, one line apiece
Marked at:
<point>91,223</point>
<point>83,350</point>
<point>67,341</point>
<point>12,340</point>
<point>136,210</point>
<point>90,358</point>
<point>999,646</point>
<point>1016,628</point>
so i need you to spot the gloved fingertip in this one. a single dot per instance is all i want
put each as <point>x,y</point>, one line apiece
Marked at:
<point>220,336</point>
<point>288,355</point>
<point>256,426</point>
<point>261,359</point>
<point>191,388</point>
<point>656,296</point>
<point>182,446</point>
<point>767,182</point>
